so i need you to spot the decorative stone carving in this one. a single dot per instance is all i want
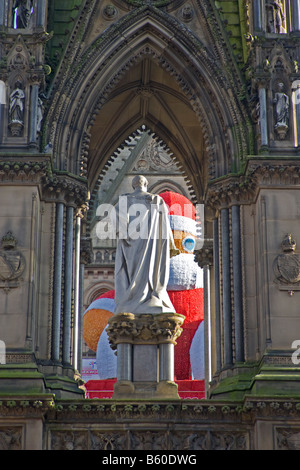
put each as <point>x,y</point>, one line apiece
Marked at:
<point>144,329</point>
<point>69,440</point>
<point>187,13</point>
<point>12,262</point>
<point>108,441</point>
<point>110,12</point>
<point>288,439</point>
<point>11,438</point>
<point>282,102</point>
<point>287,266</point>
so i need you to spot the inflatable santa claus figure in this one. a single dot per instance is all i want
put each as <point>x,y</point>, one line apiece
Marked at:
<point>185,289</point>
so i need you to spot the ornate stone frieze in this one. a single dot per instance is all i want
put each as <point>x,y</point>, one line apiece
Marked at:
<point>33,406</point>
<point>23,171</point>
<point>144,329</point>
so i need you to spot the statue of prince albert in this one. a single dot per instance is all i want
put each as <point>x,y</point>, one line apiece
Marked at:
<point>144,246</point>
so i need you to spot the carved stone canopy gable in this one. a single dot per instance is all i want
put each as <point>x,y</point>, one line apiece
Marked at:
<point>143,328</point>
<point>287,266</point>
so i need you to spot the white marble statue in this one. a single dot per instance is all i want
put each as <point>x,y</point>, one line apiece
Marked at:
<point>145,245</point>
<point>282,107</point>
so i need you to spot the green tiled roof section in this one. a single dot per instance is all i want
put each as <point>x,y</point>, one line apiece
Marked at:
<point>233,14</point>
<point>61,20</point>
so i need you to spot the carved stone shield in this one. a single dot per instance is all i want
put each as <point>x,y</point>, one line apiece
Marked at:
<point>287,268</point>
<point>12,264</point>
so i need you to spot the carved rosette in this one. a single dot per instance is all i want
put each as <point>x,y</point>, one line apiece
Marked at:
<point>144,328</point>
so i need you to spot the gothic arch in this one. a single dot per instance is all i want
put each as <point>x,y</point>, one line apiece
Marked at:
<point>86,93</point>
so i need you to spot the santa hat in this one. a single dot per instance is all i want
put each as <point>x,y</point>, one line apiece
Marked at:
<point>182,213</point>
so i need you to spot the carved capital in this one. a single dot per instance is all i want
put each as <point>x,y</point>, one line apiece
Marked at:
<point>144,328</point>
<point>204,257</point>
<point>65,188</point>
<point>231,191</point>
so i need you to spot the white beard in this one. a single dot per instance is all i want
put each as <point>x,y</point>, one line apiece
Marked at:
<point>185,274</point>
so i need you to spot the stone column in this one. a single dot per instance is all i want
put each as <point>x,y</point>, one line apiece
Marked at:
<point>41,13</point>
<point>57,282</point>
<point>263,116</point>
<point>216,254</point>
<point>257,15</point>
<point>2,107</point>
<point>34,111</point>
<point>296,15</point>
<point>145,354</point>
<point>3,18</point>
<point>76,290</point>
<point>296,102</point>
<point>237,283</point>
<point>166,362</point>
<point>227,314</point>
<point>68,284</point>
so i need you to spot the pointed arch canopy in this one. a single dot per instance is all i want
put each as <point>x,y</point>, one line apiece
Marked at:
<point>148,69</point>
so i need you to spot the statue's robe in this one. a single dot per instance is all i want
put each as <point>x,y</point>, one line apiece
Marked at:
<point>145,244</point>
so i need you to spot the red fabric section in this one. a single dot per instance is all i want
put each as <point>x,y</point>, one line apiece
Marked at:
<point>108,295</point>
<point>191,304</point>
<point>179,205</point>
<point>193,389</point>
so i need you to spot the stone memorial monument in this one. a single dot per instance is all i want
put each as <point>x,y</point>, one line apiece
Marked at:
<point>145,325</point>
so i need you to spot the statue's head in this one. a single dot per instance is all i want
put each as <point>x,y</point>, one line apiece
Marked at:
<point>140,182</point>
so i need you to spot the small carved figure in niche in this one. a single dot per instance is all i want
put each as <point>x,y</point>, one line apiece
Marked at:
<point>40,113</point>
<point>16,104</point>
<point>16,110</point>
<point>275,17</point>
<point>282,102</point>
<point>22,13</point>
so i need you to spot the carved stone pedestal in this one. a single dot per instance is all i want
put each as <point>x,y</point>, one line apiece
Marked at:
<point>144,345</point>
